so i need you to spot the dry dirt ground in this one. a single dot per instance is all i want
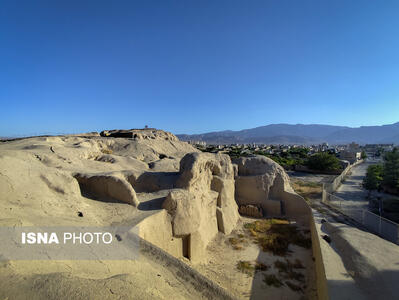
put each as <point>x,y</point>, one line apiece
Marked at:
<point>310,177</point>
<point>308,185</point>
<point>243,271</point>
<point>135,279</point>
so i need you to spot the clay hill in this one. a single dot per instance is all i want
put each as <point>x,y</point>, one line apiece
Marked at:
<point>177,199</point>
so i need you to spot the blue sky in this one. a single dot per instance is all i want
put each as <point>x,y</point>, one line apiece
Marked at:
<point>196,66</point>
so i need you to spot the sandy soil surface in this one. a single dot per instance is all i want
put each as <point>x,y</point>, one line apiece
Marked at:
<point>134,279</point>
<point>222,268</point>
<point>309,177</point>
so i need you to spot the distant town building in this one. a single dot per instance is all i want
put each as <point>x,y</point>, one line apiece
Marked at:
<point>375,147</point>
<point>353,147</point>
<point>350,155</point>
<point>199,143</point>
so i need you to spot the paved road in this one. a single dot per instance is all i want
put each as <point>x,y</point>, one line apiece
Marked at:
<point>351,190</point>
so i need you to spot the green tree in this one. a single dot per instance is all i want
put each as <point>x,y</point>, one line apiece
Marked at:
<point>363,155</point>
<point>373,177</point>
<point>391,168</point>
<point>299,152</point>
<point>323,161</point>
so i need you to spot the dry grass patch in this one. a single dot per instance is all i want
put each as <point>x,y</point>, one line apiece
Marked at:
<point>310,184</point>
<point>234,241</point>
<point>272,280</point>
<point>237,243</point>
<point>287,270</point>
<point>294,287</point>
<point>245,267</point>
<point>308,190</point>
<point>298,264</point>
<point>286,266</point>
<point>275,235</point>
<point>250,268</point>
<point>259,267</point>
<point>286,274</point>
<point>106,151</point>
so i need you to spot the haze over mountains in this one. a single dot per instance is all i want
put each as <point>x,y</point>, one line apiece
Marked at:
<point>302,134</point>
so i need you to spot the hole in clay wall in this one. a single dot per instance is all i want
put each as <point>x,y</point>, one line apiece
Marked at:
<point>215,186</point>
<point>187,246</point>
<point>219,219</point>
<point>219,201</point>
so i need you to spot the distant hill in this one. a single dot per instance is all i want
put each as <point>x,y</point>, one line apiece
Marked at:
<point>301,134</point>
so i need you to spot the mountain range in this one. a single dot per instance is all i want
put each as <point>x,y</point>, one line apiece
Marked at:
<point>301,134</point>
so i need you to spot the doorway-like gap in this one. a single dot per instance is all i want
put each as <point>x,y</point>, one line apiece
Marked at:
<point>186,246</point>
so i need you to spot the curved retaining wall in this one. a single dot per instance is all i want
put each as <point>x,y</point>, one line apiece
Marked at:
<point>297,208</point>
<point>333,186</point>
<point>321,278</point>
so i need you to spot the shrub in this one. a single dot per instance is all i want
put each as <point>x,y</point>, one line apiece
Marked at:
<point>259,267</point>
<point>237,243</point>
<point>293,286</point>
<point>106,151</point>
<point>245,267</point>
<point>287,270</point>
<point>275,235</point>
<point>373,177</point>
<point>323,161</point>
<point>391,169</point>
<point>271,279</point>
